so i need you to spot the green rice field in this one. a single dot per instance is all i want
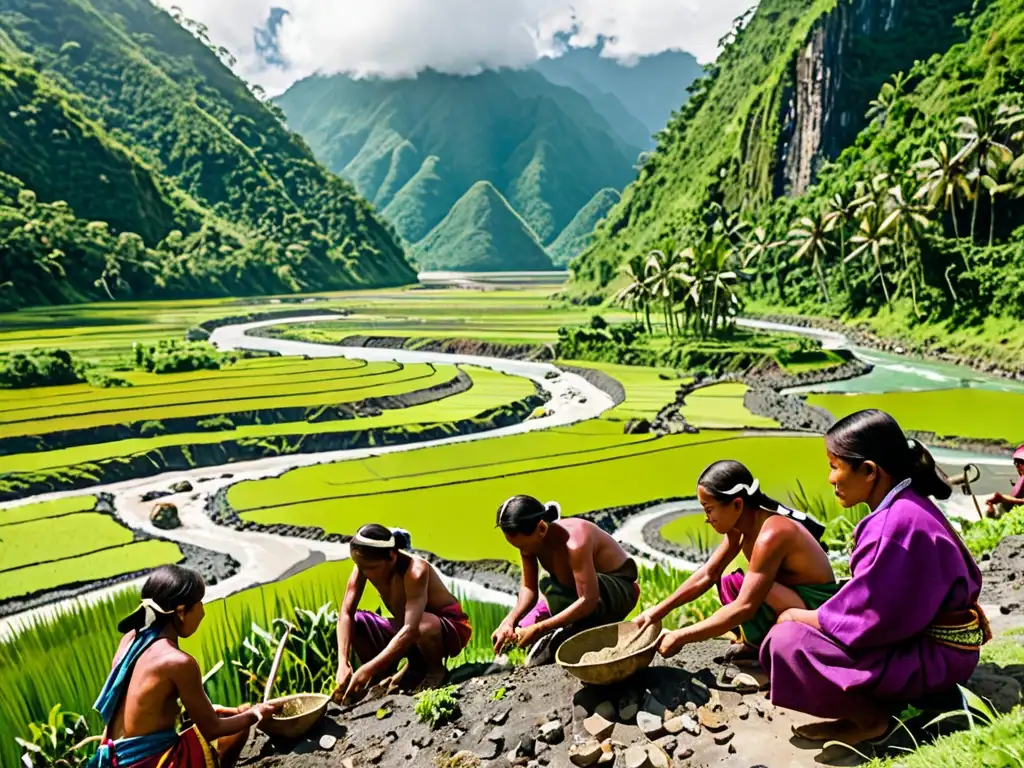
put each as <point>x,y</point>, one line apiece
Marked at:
<point>489,390</point>
<point>720,406</point>
<point>648,390</point>
<point>53,544</point>
<point>970,413</point>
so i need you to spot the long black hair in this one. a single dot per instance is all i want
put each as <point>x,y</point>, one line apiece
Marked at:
<point>377,532</point>
<point>874,435</point>
<point>169,586</point>
<point>522,515</point>
<point>728,480</point>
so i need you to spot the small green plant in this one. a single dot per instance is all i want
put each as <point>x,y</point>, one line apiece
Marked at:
<point>499,694</point>
<point>60,742</point>
<point>383,712</point>
<point>438,706</point>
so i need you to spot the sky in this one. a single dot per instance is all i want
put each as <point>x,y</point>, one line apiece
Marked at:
<point>398,38</point>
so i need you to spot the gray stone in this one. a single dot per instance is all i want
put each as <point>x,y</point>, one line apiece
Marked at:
<point>742,711</point>
<point>552,732</point>
<point>668,743</point>
<point>637,757</point>
<point>629,705</point>
<point>650,724</point>
<point>165,516</point>
<point>490,749</point>
<point>683,723</point>
<point>723,738</point>
<point>182,486</point>
<point>683,753</point>
<point>587,753</point>
<point>1001,690</point>
<point>606,710</point>
<point>423,741</point>
<point>327,741</point>
<point>598,727</point>
<point>500,717</point>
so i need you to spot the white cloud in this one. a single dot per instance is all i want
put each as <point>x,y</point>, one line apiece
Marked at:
<point>395,38</point>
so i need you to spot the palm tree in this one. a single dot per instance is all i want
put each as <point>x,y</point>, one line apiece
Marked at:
<point>907,219</point>
<point>944,177</point>
<point>871,238</point>
<point>636,294</point>
<point>998,181</point>
<point>890,93</point>
<point>980,131</point>
<point>755,247</point>
<point>843,209</point>
<point>811,239</point>
<point>659,271</point>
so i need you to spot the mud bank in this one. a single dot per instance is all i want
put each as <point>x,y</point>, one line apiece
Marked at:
<point>373,406</point>
<point>187,457</point>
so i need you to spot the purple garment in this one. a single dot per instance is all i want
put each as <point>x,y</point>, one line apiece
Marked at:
<point>1018,489</point>
<point>908,566</point>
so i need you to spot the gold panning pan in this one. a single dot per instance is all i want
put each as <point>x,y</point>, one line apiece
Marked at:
<point>609,654</point>
<point>298,712</point>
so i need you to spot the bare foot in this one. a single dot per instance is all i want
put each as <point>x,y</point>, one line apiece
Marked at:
<point>845,731</point>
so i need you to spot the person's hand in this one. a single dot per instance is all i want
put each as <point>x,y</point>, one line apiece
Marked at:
<point>671,643</point>
<point>267,709</point>
<point>359,681</point>
<point>503,636</point>
<point>526,636</point>
<point>645,619</point>
<point>995,498</point>
<point>341,681</point>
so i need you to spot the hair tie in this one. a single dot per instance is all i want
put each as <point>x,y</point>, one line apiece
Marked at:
<point>504,507</point>
<point>911,443</point>
<point>365,541</point>
<point>750,490</point>
<point>151,610</point>
<point>556,506</point>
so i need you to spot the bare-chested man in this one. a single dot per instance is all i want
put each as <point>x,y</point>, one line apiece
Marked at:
<point>788,566</point>
<point>590,579</point>
<point>428,627</point>
<point>150,674</point>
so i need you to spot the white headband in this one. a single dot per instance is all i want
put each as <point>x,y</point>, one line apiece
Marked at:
<point>152,609</point>
<point>750,490</point>
<point>363,541</point>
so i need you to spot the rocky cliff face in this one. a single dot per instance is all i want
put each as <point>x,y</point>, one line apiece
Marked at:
<point>836,74</point>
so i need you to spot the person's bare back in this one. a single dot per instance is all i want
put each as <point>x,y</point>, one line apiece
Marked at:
<point>151,703</point>
<point>393,592</point>
<point>804,561</point>
<point>577,534</point>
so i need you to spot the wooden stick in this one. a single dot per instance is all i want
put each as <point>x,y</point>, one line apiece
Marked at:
<point>274,666</point>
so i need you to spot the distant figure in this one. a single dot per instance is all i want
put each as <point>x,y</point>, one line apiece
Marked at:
<point>589,581</point>
<point>429,625</point>
<point>150,674</point>
<point>788,566</point>
<point>999,503</point>
<point>908,624</point>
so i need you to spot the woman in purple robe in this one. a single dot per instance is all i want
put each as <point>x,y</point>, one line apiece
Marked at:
<point>907,624</point>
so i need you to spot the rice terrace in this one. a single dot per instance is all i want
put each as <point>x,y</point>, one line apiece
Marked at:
<point>611,405</point>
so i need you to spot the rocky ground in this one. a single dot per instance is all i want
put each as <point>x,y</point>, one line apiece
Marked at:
<point>676,713</point>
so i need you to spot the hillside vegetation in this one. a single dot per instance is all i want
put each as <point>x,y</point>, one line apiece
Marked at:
<point>482,233</point>
<point>542,146</point>
<point>787,93</point>
<point>575,238</point>
<point>135,162</point>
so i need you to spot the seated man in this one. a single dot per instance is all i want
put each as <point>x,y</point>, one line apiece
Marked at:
<point>1003,502</point>
<point>788,566</point>
<point>429,625</point>
<point>590,579</point>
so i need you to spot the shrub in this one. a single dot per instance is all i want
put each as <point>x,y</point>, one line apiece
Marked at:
<point>57,743</point>
<point>152,428</point>
<point>178,357</point>
<point>216,424</point>
<point>106,381</point>
<point>438,706</point>
<point>41,368</point>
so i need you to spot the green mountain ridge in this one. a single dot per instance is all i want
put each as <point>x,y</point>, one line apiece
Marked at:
<point>784,98</point>
<point>482,233</point>
<point>542,146</point>
<point>121,116</point>
<point>576,237</point>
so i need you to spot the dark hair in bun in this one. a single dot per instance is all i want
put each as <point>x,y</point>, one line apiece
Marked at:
<point>875,436</point>
<point>522,514</point>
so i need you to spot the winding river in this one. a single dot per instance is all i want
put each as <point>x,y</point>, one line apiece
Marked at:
<point>265,558</point>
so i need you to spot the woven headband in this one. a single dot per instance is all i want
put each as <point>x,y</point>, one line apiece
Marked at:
<point>365,541</point>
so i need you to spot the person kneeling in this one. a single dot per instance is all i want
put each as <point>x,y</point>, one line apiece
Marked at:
<point>150,674</point>
<point>590,579</point>
<point>429,625</point>
<point>788,566</point>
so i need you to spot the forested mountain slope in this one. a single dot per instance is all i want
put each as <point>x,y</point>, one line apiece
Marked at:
<point>786,95</point>
<point>416,146</point>
<point>125,116</point>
